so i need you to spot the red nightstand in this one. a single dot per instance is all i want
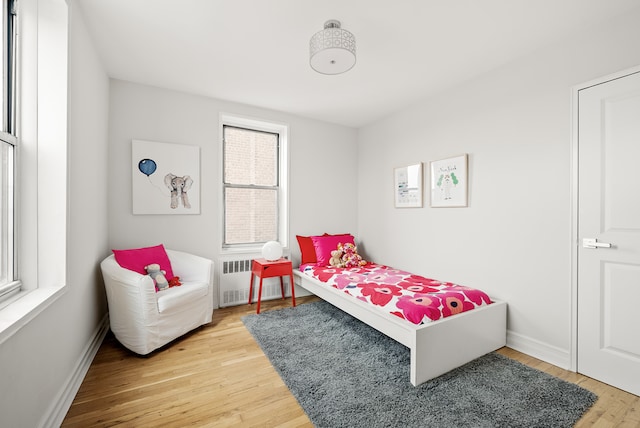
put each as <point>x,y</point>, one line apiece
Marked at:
<point>269,269</point>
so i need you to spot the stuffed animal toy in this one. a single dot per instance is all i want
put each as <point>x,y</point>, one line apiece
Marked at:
<point>336,258</point>
<point>175,281</point>
<point>158,276</point>
<point>346,256</point>
<point>350,256</point>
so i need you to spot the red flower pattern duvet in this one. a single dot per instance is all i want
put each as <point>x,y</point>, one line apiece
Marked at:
<point>415,298</point>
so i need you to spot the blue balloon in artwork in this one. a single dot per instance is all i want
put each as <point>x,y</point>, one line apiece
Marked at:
<point>147,166</point>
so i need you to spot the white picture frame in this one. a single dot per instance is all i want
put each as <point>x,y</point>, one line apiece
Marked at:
<point>157,169</point>
<point>449,182</point>
<point>408,186</point>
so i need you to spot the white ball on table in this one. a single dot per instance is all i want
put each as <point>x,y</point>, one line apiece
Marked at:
<point>272,250</point>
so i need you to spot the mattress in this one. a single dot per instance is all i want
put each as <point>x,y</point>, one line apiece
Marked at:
<point>414,298</point>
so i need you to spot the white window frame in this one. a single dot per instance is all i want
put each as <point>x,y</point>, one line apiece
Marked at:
<point>9,283</point>
<point>41,162</point>
<point>283,179</point>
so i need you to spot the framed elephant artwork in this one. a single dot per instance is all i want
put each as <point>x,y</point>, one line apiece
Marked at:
<point>165,178</point>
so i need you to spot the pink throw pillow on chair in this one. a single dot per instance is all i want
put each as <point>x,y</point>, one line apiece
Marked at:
<point>137,258</point>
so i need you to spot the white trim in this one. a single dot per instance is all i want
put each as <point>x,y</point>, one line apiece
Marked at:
<point>573,224</point>
<point>573,356</point>
<point>56,413</point>
<point>537,349</point>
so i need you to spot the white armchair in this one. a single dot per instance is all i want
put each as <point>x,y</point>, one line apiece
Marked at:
<point>143,320</point>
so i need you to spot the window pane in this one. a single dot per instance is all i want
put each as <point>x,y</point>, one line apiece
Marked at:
<point>5,63</point>
<point>6,212</point>
<point>8,283</point>
<point>251,215</point>
<point>250,157</point>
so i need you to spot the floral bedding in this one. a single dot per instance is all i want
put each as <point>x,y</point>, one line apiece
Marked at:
<point>414,298</point>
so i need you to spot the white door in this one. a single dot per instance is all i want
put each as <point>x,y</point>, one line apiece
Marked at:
<point>609,213</point>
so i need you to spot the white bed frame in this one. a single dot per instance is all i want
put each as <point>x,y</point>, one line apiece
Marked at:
<point>436,347</point>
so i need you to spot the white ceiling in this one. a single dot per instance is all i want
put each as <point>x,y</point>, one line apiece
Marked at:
<point>257,51</point>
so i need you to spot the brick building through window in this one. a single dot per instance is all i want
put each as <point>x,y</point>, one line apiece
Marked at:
<point>253,194</point>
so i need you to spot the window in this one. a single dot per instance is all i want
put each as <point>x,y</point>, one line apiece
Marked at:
<point>254,183</point>
<point>33,146</point>
<point>8,281</point>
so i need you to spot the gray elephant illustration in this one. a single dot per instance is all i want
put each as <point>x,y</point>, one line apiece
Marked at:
<point>178,187</point>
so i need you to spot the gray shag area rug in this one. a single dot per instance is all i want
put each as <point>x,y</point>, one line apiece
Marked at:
<point>347,374</point>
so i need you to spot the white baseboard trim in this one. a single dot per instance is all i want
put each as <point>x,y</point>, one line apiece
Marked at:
<point>59,408</point>
<point>540,350</point>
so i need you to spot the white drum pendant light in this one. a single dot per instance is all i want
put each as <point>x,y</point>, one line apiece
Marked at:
<point>332,50</point>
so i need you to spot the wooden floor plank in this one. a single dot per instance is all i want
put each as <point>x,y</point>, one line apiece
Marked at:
<point>217,376</point>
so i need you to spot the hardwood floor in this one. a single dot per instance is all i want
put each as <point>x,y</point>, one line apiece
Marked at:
<point>218,376</point>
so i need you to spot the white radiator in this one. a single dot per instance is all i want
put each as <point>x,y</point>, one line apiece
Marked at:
<point>234,276</point>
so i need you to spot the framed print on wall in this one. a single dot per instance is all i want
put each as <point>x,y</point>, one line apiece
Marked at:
<point>449,182</point>
<point>165,178</point>
<point>408,186</point>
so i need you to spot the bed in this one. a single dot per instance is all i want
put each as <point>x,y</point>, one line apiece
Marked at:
<point>439,339</point>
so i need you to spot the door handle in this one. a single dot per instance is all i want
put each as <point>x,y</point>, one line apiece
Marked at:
<point>593,243</point>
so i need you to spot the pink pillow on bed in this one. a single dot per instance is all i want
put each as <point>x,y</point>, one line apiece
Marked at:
<point>324,245</point>
<point>136,259</point>
<point>307,250</point>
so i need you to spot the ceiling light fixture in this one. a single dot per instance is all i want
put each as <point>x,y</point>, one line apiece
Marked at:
<point>332,50</point>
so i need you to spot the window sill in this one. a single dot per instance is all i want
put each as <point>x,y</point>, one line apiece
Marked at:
<point>241,250</point>
<point>25,307</point>
<point>248,250</point>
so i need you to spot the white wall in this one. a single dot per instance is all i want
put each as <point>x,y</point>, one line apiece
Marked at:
<point>39,361</point>
<point>323,170</point>
<point>514,238</point>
